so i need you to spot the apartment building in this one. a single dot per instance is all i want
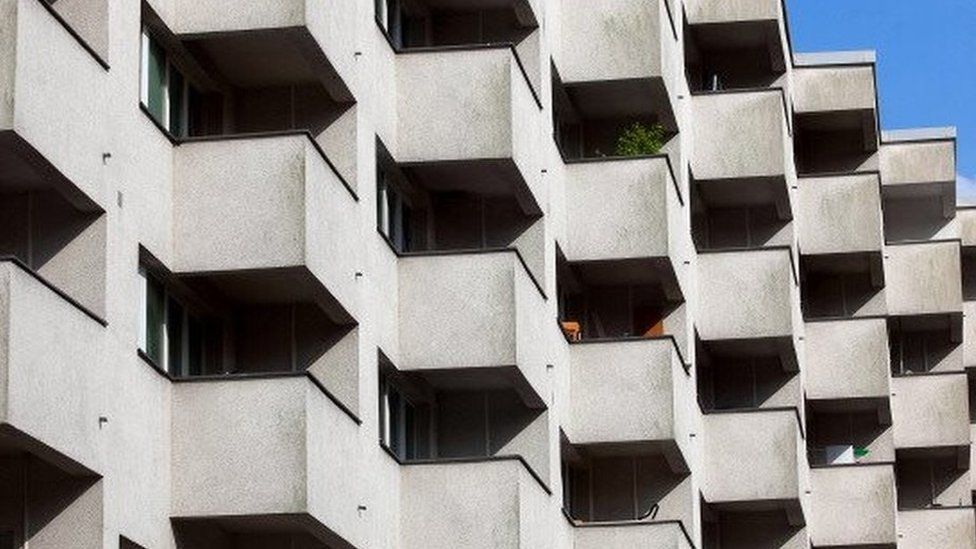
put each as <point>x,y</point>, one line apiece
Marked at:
<point>567,274</point>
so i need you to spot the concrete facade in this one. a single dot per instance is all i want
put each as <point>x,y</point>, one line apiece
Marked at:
<point>325,274</point>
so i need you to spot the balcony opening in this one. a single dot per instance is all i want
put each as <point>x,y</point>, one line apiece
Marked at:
<point>841,285</point>
<point>59,236</point>
<point>88,19</point>
<point>933,477</point>
<point>459,206</point>
<point>835,142</point>
<point>454,414</point>
<point>619,299</point>
<point>255,323</point>
<point>618,118</point>
<point>740,214</point>
<point>602,484</point>
<point>46,496</point>
<point>844,432</point>
<point>747,375</point>
<point>253,532</point>
<point>730,56</point>
<point>918,212</point>
<point>723,528</point>
<point>435,23</point>
<point>220,84</point>
<point>924,344</point>
<point>968,265</point>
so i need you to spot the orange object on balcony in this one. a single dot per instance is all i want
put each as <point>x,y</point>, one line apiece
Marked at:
<point>572,330</point>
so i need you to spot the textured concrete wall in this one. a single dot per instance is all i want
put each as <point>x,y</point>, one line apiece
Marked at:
<point>966,219</point>
<point>923,278</point>
<point>612,40</point>
<point>839,214</point>
<point>746,294</point>
<point>470,311</point>
<point>264,447</point>
<point>723,11</point>
<point>752,456</point>
<point>937,529</point>
<point>478,505</point>
<point>89,18</point>
<point>739,135</point>
<point>852,506</point>
<point>50,353</point>
<point>908,163</point>
<point>618,209</point>
<point>839,88</point>
<point>625,392</point>
<point>847,359</point>
<point>646,536</point>
<point>72,135</point>
<point>930,410</point>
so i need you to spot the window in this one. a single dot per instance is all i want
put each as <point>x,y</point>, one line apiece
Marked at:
<point>164,92</point>
<point>398,421</point>
<point>175,339</point>
<point>393,215</point>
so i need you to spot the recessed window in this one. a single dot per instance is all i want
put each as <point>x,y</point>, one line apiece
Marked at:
<point>164,92</point>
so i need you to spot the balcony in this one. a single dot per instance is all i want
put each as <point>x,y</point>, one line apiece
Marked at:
<point>624,209</point>
<point>317,28</point>
<point>43,137</point>
<point>49,363</point>
<point>749,298</point>
<point>472,311</point>
<point>625,536</point>
<point>472,109</point>
<point>853,506</point>
<point>280,457</point>
<point>945,527</point>
<point>742,149</point>
<point>918,174</point>
<point>755,461</point>
<point>267,204</point>
<point>924,278</point>
<point>836,112</point>
<point>634,393</point>
<point>931,411</point>
<point>485,505</point>
<point>847,359</point>
<point>840,215</point>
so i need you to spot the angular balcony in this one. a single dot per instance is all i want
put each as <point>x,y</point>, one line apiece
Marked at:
<point>835,112</point>
<point>755,461</point>
<point>280,458</point>
<point>267,206</point>
<point>931,411</point>
<point>316,28</point>
<point>43,137</point>
<point>616,484</point>
<point>849,432</point>
<point>749,299</point>
<point>48,500</point>
<point>840,215</point>
<point>624,209</point>
<point>925,344</point>
<point>735,45</point>
<point>624,536</point>
<point>918,174</point>
<point>49,362</point>
<point>472,311</point>
<point>631,393</point>
<point>478,504</point>
<point>847,359</point>
<point>767,529</point>
<point>460,416</point>
<point>742,151</point>
<point>933,477</point>
<point>853,506</point>
<point>470,111</point>
<point>924,278</point>
<point>943,527</point>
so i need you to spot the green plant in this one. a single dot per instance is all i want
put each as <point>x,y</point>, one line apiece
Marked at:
<point>638,140</point>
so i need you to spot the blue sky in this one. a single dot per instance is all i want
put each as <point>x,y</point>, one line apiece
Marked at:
<point>926,60</point>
